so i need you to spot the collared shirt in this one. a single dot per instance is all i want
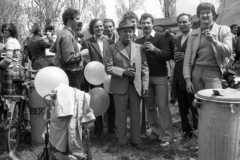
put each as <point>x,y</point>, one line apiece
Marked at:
<point>185,36</point>
<point>151,34</point>
<point>99,42</point>
<point>136,32</point>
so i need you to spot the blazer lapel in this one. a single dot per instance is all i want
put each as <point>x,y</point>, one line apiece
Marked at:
<point>183,47</point>
<point>196,42</point>
<point>179,43</point>
<point>134,49</point>
<point>121,49</point>
<point>105,45</point>
<point>96,46</point>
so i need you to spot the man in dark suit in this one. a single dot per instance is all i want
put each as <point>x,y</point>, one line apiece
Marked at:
<point>97,46</point>
<point>127,64</point>
<point>185,99</point>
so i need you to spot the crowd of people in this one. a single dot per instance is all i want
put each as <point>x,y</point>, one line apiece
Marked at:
<point>136,58</point>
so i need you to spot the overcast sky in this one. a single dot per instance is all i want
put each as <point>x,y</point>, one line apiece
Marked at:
<point>153,7</point>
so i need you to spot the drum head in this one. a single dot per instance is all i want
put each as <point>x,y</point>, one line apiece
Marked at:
<point>226,95</point>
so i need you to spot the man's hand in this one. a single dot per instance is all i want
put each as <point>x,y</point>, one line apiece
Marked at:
<point>145,92</point>
<point>189,86</point>
<point>148,46</point>
<point>208,34</point>
<point>129,72</point>
<point>178,56</point>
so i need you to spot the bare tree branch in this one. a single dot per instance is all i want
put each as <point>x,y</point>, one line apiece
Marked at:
<point>133,5</point>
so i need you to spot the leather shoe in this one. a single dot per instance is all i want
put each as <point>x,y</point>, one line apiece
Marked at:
<point>123,145</point>
<point>137,146</point>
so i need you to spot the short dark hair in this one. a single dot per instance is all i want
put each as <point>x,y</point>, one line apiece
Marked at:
<point>49,27</point>
<point>106,20</point>
<point>4,26</point>
<point>185,14</point>
<point>69,13</point>
<point>204,6</point>
<point>233,25</point>
<point>145,16</point>
<point>35,29</point>
<point>168,29</point>
<point>130,15</point>
<point>79,24</point>
<point>91,24</point>
<point>12,28</point>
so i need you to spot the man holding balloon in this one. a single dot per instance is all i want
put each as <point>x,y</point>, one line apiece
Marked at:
<point>98,45</point>
<point>127,64</point>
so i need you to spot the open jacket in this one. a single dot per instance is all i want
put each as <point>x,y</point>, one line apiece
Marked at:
<point>117,60</point>
<point>178,79</point>
<point>222,50</point>
<point>94,50</point>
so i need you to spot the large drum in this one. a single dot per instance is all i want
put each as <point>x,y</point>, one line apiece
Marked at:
<point>219,125</point>
<point>37,110</point>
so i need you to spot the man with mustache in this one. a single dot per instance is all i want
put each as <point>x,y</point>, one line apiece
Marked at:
<point>208,48</point>
<point>157,52</point>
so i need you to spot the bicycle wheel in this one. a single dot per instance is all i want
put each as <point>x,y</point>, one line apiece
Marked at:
<point>13,130</point>
<point>25,123</point>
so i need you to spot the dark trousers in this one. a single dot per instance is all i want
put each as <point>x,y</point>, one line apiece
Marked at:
<point>185,100</point>
<point>98,123</point>
<point>75,78</point>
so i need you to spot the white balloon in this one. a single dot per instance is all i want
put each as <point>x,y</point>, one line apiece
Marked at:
<point>94,73</point>
<point>106,83</point>
<point>49,78</point>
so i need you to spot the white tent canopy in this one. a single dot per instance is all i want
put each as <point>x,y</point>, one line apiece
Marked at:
<point>229,12</point>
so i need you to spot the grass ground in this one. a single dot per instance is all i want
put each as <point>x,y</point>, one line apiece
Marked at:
<point>107,148</point>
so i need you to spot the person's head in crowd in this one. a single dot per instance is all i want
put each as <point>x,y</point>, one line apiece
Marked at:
<point>206,14</point>
<point>184,22</point>
<point>78,29</point>
<point>109,26</point>
<point>146,22</point>
<point>167,32</point>
<point>131,16</point>
<point>158,29</point>
<point>49,30</point>
<point>125,31</point>
<point>234,29</point>
<point>9,30</point>
<point>4,26</point>
<point>96,27</point>
<point>70,18</point>
<point>36,30</point>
